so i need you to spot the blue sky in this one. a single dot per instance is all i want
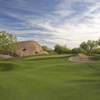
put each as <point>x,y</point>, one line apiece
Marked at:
<point>50,22</point>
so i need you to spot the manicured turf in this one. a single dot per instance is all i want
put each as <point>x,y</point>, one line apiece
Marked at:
<point>49,77</point>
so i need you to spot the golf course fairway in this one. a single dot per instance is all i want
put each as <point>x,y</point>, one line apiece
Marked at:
<point>49,77</point>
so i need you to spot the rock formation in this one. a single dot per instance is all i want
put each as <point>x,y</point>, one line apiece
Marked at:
<point>28,48</point>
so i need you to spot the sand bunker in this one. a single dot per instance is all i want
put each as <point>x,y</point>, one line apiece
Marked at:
<point>2,56</point>
<point>80,58</point>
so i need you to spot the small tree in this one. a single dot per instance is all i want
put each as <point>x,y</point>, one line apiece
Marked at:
<point>7,42</point>
<point>89,45</point>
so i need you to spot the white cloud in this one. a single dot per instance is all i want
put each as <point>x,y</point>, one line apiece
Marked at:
<point>71,31</point>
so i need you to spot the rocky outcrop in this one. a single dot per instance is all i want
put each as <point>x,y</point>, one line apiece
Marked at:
<point>28,48</point>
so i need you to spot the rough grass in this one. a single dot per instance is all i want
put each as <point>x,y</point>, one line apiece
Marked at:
<point>49,77</point>
<point>96,57</point>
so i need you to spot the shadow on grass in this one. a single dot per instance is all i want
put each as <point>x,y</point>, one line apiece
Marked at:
<point>47,58</point>
<point>6,67</point>
<point>93,67</point>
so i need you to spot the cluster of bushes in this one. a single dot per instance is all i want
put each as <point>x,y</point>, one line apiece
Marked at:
<point>89,47</point>
<point>49,50</point>
<point>61,49</point>
<point>58,49</point>
<point>96,51</point>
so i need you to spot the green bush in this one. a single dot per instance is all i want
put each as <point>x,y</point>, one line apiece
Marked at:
<point>49,50</point>
<point>96,57</point>
<point>96,51</point>
<point>78,50</point>
<point>59,49</point>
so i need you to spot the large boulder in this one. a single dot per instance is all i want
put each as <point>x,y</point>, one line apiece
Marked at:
<point>28,48</point>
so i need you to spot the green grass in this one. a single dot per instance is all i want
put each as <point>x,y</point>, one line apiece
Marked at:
<point>96,57</point>
<point>49,77</point>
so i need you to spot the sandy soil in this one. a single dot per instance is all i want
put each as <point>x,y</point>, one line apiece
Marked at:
<point>2,56</point>
<point>81,58</point>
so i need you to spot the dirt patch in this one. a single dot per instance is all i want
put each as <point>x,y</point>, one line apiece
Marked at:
<point>2,56</point>
<point>81,58</point>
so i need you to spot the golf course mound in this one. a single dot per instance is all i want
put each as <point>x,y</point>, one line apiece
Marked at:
<point>80,58</point>
<point>7,67</point>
